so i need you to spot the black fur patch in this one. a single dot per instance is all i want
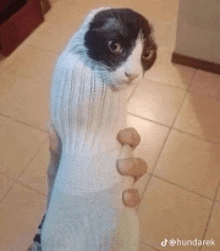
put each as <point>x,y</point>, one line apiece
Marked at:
<point>122,26</point>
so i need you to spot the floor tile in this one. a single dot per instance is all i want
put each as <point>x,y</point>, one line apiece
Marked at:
<point>165,71</point>
<point>165,11</point>
<point>168,212</point>
<point>19,143</point>
<point>218,193</point>
<point>21,212</point>
<point>27,100</point>
<point>7,83</point>
<point>58,11</point>
<point>153,137</point>
<point>143,247</point>
<point>213,232</point>
<point>51,37</point>
<point>5,185</point>
<point>31,62</point>
<point>200,115</point>
<point>35,174</point>
<point>190,162</point>
<point>131,90</point>
<point>156,101</point>
<point>206,83</point>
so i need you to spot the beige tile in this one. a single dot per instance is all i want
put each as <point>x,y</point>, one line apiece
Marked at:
<point>35,174</point>
<point>58,11</point>
<point>143,247</point>
<point>165,71</point>
<point>131,90</point>
<point>156,101</point>
<point>71,15</point>
<point>31,62</point>
<point>19,143</point>
<point>167,211</point>
<point>163,10</point>
<point>205,83</point>
<point>67,11</point>
<point>52,37</point>
<point>213,232</point>
<point>190,162</point>
<point>21,212</point>
<point>27,100</point>
<point>5,184</point>
<point>200,115</point>
<point>7,83</point>
<point>153,137</point>
<point>218,193</point>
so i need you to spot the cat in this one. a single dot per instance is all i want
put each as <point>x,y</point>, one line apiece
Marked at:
<point>111,51</point>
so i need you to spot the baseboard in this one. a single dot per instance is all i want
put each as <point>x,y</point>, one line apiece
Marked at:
<point>196,63</point>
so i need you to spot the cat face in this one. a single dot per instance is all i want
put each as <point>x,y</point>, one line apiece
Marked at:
<point>121,40</point>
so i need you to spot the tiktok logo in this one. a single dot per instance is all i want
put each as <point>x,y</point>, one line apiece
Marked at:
<point>164,243</point>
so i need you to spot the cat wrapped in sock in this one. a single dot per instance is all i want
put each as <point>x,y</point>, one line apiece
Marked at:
<point>112,49</point>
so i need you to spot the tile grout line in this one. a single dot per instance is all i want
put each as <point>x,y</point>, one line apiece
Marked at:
<point>210,214</point>
<point>23,122</point>
<point>171,127</point>
<point>131,94</point>
<point>31,188</point>
<point>184,98</point>
<point>168,134</point>
<point>182,187</point>
<point>169,85</point>
<point>32,126</point>
<point>151,174</point>
<point>22,171</point>
<point>149,120</point>
<point>195,136</point>
<point>149,246</point>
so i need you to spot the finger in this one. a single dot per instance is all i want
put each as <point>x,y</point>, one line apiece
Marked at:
<point>54,140</point>
<point>135,167</point>
<point>131,197</point>
<point>129,136</point>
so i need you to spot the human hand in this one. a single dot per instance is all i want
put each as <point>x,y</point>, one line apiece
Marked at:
<point>134,167</point>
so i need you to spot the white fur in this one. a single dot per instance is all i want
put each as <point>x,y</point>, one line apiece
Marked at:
<point>132,67</point>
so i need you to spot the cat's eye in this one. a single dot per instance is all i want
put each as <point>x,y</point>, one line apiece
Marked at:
<point>115,47</point>
<point>148,54</point>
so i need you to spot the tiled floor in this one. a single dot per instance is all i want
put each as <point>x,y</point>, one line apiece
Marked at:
<point>175,109</point>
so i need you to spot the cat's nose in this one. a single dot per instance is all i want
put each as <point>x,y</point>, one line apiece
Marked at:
<point>131,76</point>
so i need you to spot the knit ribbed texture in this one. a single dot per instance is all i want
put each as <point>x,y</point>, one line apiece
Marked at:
<point>86,210</point>
<point>87,115</point>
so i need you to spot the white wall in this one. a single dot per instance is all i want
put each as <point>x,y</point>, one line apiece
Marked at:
<point>198,29</point>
